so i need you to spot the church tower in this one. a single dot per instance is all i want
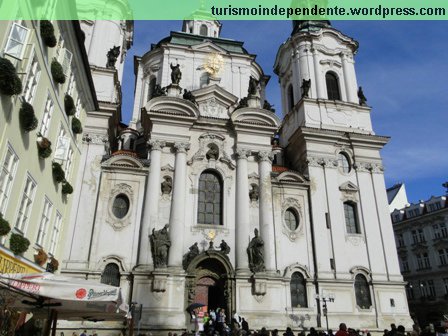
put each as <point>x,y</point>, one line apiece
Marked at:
<point>327,135</point>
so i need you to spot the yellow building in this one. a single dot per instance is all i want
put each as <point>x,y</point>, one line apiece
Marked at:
<point>50,60</point>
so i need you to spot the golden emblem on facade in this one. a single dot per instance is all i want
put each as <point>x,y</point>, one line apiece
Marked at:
<point>213,64</point>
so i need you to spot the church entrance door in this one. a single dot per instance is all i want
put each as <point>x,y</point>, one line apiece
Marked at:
<point>210,292</point>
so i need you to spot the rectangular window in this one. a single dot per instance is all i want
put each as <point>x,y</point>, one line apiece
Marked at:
<point>71,84</point>
<point>7,174</point>
<point>351,218</point>
<point>431,288</point>
<point>32,80</point>
<point>414,237</point>
<point>410,291</point>
<point>405,264</point>
<point>426,262</point>
<point>48,112</point>
<point>440,231</point>
<point>421,236</point>
<point>78,108</point>
<point>26,204</point>
<point>15,46</point>
<point>400,240</point>
<point>443,256</point>
<point>62,146</point>
<point>445,285</point>
<point>55,233</point>
<point>68,164</point>
<point>66,60</point>
<point>44,220</point>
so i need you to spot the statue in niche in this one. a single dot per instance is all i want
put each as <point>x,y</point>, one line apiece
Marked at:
<point>254,193</point>
<point>160,245</point>
<point>112,56</point>
<point>167,185</point>
<point>362,98</point>
<point>213,153</point>
<point>255,253</point>
<point>268,106</point>
<point>306,85</point>
<point>224,247</point>
<point>176,74</point>
<point>189,96</point>
<point>158,91</point>
<point>190,255</point>
<point>254,87</point>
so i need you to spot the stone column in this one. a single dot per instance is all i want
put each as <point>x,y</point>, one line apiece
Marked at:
<point>242,218</point>
<point>151,206</point>
<point>351,96</point>
<point>318,76</point>
<point>265,208</point>
<point>177,212</point>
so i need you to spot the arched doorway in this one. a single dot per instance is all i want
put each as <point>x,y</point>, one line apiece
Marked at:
<point>211,281</point>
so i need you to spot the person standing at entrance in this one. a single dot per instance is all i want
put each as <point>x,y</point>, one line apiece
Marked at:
<point>221,319</point>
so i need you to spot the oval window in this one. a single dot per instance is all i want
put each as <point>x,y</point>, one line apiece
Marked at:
<point>291,219</point>
<point>344,162</point>
<point>120,207</point>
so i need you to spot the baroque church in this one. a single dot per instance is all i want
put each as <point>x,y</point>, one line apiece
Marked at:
<point>209,197</point>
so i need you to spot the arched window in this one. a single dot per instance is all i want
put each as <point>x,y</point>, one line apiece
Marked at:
<point>111,275</point>
<point>362,292</point>
<point>210,198</point>
<point>152,85</point>
<point>344,162</point>
<point>332,86</point>
<point>203,30</point>
<point>298,290</point>
<point>290,94</point>
<point>351,217</point>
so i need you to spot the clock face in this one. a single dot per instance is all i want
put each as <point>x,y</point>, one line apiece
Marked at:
<point>213,64</point>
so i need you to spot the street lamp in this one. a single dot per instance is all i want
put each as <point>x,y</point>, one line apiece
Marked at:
<point>325,298</point>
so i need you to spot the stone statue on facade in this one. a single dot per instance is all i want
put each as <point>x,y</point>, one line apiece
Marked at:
<point>255,253</point>
<point>212,153</point>
<point>254,193</point>
<point>224,247</point>
<point>306,85</point>
<point>112,56</point>
<point>189,96</point>
<point>160,245</point>
<point>254,87</point>
<point>362,98</point>
<point>268,106</point>
<point>242,103</point>
<point>158,91</point>
<point>167,186</point>
<point>190,255</point>
<point>176,74</point>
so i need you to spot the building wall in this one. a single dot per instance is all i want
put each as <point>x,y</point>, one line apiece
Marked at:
<point>23,144</point>
<point>421,233</point>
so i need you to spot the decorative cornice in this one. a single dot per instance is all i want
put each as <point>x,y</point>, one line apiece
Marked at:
<point>315,161</point>
<point>369,167</point>
<point>93,138</point>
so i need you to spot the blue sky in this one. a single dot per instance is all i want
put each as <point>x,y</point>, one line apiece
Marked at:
<point>402,67</point>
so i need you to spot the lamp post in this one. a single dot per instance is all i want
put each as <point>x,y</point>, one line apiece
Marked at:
<point>325,298</point>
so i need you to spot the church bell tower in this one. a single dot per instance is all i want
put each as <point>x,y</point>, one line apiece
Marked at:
<point>327,135</point>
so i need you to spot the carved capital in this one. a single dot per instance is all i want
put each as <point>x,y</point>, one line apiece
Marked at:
<point>369,167</point>
<point>265,156</point>
<point>242,153</point>
<point>181,147</point>
<point>156,144</point>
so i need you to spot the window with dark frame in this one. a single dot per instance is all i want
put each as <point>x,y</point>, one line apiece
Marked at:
<point>290,97</point>
<point>120,207</point>
<point>203,31</point>
<point>210,199</point>
<point>344,162</point>
<point>298,290</point>
<point>351,217</point>
<point>332,86</point>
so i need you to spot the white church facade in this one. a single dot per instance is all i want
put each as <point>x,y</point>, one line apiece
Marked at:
<point>208,196</point>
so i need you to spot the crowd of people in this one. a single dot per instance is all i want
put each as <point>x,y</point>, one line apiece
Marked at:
<point>213,323</point>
